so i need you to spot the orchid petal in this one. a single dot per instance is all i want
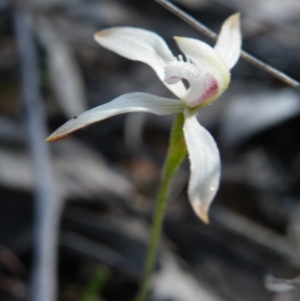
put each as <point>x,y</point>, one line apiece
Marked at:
<point>229,42</point>
<point>132,102</point>
<point>141,45</point>
<point>205,165</point>
<point>207,59</point>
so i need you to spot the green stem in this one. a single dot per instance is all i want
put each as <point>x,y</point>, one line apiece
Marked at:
<point>176,154</point>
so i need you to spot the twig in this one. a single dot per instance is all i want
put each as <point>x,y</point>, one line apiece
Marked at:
<point>211,34</point>
<point>48,204</point>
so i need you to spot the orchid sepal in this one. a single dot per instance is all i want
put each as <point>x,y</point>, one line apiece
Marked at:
<point>131,102</point>
<point>205,165</point>
<point>141,45</point>
<point>229,41</point>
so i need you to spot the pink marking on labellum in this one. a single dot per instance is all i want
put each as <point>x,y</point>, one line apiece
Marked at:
<point>210,88</point>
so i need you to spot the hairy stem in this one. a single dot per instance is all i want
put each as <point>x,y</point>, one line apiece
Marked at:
<point>176,154</point>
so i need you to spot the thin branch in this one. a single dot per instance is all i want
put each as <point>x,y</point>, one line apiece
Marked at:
<point>211,34</point>
<point>48,204</point>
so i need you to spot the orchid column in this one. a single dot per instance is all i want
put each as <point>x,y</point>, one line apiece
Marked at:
<point>207,70</point>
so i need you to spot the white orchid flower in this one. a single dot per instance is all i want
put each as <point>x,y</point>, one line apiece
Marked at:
<point>207,71</point>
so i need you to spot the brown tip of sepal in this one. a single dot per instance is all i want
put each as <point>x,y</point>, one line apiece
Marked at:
<point>204,217</point>
<point>52,139</point>
<point>55,137</point>
<point>99,34</point>
<point>48,139</point>
<point>233,19</point>
<point>202,213</point>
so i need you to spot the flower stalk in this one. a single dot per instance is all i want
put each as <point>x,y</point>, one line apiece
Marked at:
<point>176,153</point>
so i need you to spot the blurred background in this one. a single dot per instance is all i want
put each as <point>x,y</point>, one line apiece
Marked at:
<point>75,215</point>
